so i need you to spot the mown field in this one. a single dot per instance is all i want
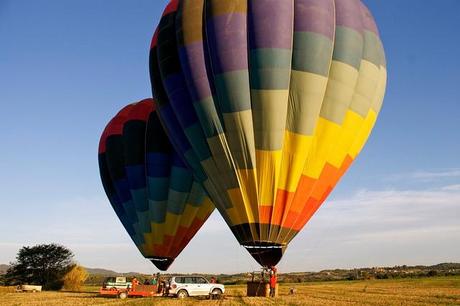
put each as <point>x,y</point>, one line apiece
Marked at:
<point>427,291</point>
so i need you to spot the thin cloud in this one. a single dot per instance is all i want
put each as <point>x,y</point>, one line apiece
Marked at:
<point>452,188</point>
<point>432,175</point>
<point>381,227</point>
<point>395,207</point>
<point>437,174</point>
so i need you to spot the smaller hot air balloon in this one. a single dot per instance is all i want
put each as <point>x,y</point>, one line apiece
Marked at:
<point>151,189</point>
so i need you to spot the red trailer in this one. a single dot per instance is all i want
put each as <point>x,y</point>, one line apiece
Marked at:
<point>133,291</point>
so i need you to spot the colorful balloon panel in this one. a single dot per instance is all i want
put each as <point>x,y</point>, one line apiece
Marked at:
<point>272,101</point>
<point>151,189</point>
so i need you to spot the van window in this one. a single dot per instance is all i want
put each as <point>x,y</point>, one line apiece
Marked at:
<point>199,280</point>
<point>120,280</point>
<point>188,280</point>
<point>179,280</point>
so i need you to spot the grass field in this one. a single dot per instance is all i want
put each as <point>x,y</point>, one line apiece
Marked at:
<point>427,291</point>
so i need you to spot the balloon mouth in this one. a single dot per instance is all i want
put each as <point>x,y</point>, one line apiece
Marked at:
<point>267,254</point>
<point>162,263</point>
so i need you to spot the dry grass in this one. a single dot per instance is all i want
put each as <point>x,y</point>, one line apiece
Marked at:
<point>7,289</point>
<point>433,291</point>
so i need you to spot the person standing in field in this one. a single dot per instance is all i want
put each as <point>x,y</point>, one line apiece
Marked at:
<point>160,283</point>
<point>273,281</point>
<point>134,282</point>
<point>154,280</point>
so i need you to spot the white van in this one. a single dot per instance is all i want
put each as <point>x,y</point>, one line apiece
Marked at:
<point>184,286</point>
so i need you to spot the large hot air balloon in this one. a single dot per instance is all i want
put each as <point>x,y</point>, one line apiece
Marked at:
<point>149,186</point>
<point>270,102</point>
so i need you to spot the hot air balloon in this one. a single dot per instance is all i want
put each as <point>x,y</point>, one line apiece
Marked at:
<point>149,186</point>
<point>270,102</point>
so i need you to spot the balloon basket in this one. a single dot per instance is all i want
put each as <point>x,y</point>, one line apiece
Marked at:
<point>261,289</point>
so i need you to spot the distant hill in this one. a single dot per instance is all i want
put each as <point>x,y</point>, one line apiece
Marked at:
<point>3,269</point>
<point>105,272</point>
<point>99,271</point>
<point>446,266</point>
<point>404,271</point>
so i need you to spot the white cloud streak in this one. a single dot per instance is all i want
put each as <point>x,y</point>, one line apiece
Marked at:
<point>382,228</point>
<point>427,176</point>
<point>436,174</point>
<point>452,187</point>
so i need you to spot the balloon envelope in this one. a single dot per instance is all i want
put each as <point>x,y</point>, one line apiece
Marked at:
<point>270,102</point>
<point>150,188</point>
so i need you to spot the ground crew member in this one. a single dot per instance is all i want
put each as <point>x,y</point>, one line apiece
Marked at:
<point>273,281</point>
<point>154,280</point>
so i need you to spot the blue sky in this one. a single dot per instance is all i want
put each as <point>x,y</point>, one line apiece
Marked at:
<point>66,67</point>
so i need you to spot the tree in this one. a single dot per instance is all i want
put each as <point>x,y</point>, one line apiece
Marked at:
<point>44,264</point>
<point>75,278</point>
<point>432,273</point>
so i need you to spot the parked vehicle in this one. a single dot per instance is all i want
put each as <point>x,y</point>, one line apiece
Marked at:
<point>120,287</point>
<point>184,286</point>
<point>28,288</point>
<point>119,282</point>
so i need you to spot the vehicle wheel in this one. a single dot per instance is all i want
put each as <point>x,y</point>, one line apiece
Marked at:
<point>33,291</point>
<point>123,295</point>
<point>182,294</point>
<point>216,294</point>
